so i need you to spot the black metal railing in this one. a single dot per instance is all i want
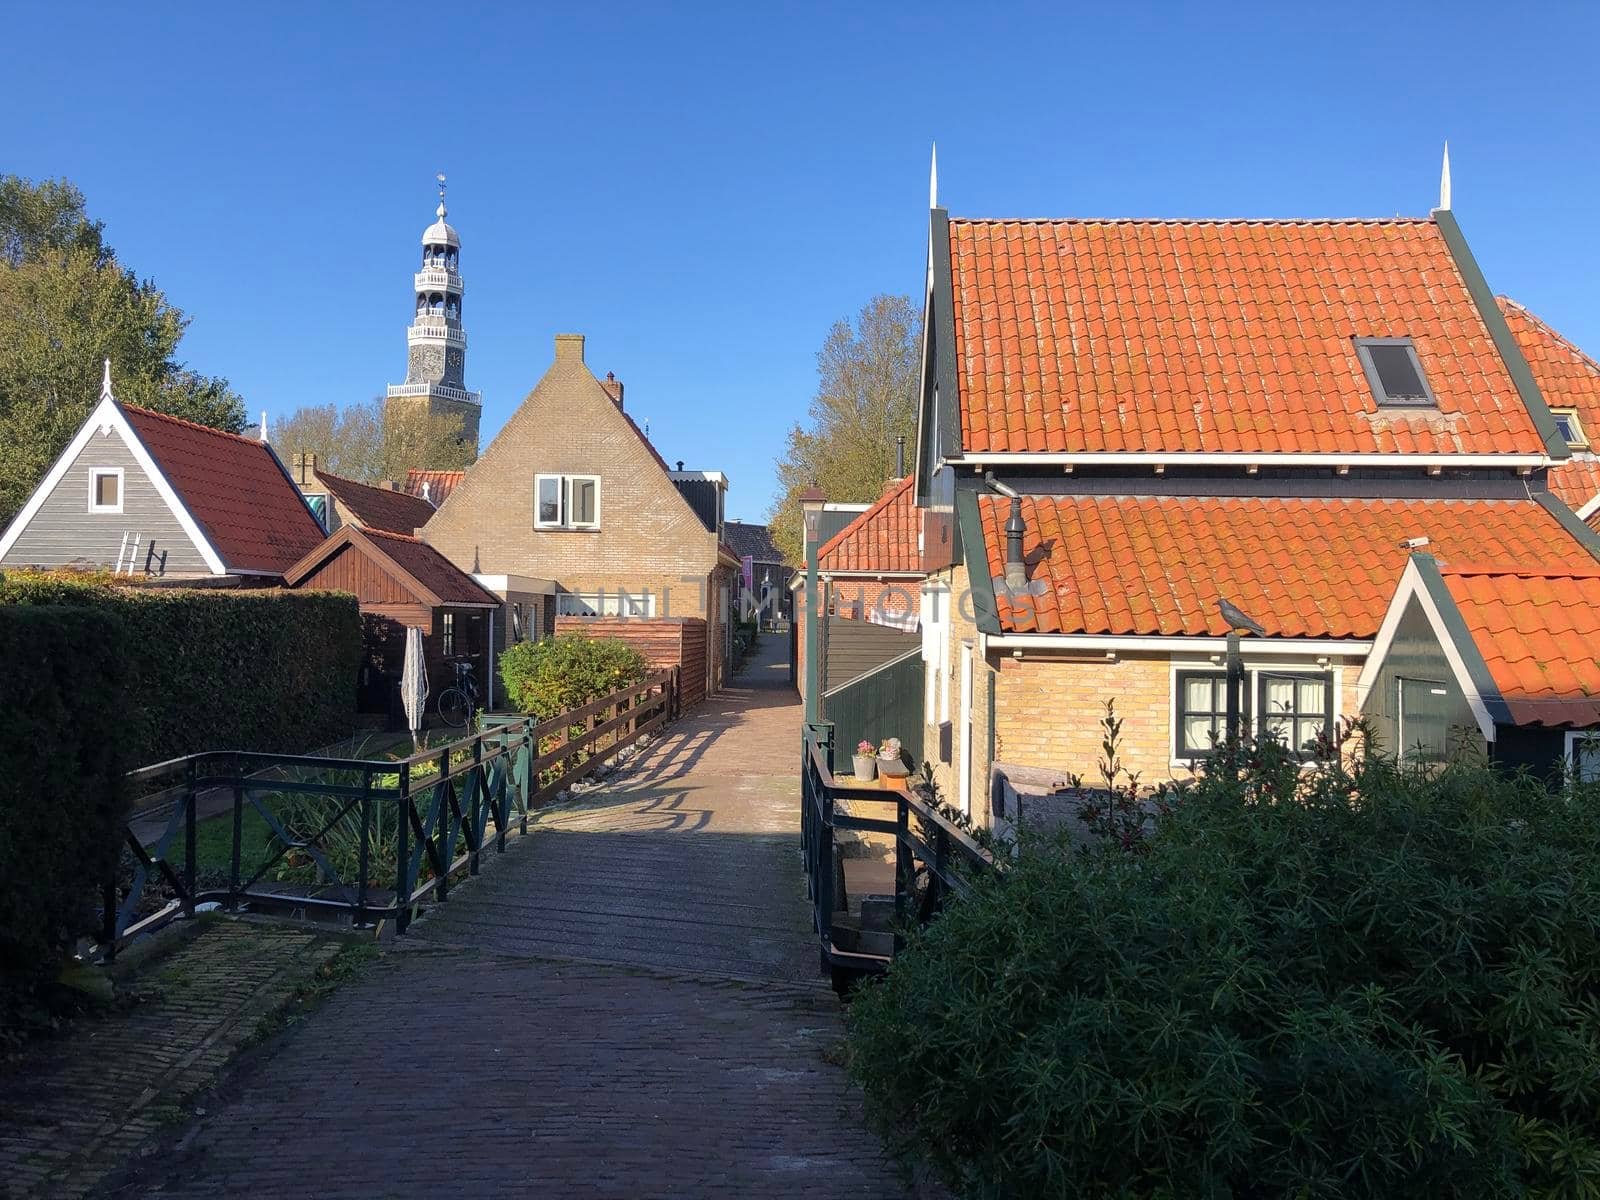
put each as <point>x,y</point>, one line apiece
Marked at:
<point>371,838</point>
<point>934,859</point>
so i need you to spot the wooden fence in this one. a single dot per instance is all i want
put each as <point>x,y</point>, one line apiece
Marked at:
<point>665,642</point>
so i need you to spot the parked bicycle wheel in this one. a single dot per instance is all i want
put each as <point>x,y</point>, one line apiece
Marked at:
<point>454,707</point>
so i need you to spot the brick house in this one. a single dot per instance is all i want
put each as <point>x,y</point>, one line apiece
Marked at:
<point>572,491</point>
<point>161,498</point>
<point>1124,422</point>
<point>767,589</point>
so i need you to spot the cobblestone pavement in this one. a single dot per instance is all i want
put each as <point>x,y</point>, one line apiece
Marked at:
<point>625,1004</point>
<point>73,1109</point>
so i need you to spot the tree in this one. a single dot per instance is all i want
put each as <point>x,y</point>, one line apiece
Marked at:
<point>373,441</point>
<point>67,305</point>
<point>866,397</point>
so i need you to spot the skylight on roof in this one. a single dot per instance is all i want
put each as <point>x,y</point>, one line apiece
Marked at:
<point>1394,372</point>
<point>1570,428</point>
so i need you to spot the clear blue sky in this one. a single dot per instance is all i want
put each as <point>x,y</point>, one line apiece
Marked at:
<point>704,190</point>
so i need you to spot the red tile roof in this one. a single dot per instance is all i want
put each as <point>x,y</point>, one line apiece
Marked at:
<point>379,507</point>
<point>1218,337</point>
<point>884,538</point>
<point>1305,568</point>
<point>1536,631</point>
<point>234,487</point>
<point>1576,481</point>
<point>431,569</point>
<point>440,483</point>
<point>1567,377</point>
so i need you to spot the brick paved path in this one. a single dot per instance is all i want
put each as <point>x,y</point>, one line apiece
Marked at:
<point>625,1004</point>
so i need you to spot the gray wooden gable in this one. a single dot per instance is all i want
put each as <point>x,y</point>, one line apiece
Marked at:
<point>63,532</point>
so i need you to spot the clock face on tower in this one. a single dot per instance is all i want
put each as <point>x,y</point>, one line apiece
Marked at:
<point>454,359</point>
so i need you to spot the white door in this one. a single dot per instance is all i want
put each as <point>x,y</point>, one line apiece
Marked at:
<point>966,729</point>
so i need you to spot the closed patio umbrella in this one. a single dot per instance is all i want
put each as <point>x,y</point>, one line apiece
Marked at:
<point>414,681</point>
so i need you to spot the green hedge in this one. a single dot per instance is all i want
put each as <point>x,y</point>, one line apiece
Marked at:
<point>214,669</point>
<point>1354,981</point>
<point>63,688</point>
<point>559,674</point>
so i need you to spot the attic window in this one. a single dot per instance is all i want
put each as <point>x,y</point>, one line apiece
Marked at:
<point>1394,372</point>
<point>1568,425</point>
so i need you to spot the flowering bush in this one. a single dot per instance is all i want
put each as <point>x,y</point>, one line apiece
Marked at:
<point>865,747</point>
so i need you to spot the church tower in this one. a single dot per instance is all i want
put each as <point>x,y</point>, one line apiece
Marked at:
<point>437,344</point>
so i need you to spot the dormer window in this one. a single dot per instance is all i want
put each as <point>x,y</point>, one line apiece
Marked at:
<point>1570,428</point>
<point>1394,372</point>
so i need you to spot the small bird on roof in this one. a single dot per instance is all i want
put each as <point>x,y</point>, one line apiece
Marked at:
<point>1236,619</point>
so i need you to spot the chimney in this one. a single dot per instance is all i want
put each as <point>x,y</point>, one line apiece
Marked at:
<point>569,347</point>
<point>900,457</point>
<point>1016,569</point>
<point>680,464</point>
<point>305,467</point>
<point>392,485</point>
<point>613,386</point>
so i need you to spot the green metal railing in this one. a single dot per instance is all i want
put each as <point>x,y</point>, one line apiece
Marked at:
<point>366,837</point>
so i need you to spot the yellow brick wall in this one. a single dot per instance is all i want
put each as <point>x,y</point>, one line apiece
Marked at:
<point>1049,712</point>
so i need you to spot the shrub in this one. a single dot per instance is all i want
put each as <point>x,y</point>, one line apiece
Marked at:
<point>1356,981</point>
<point>63,682</point>
<point>213,670</point>
<point>559,674</point>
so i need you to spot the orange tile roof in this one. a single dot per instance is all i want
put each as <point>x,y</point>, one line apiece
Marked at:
<point>1567,377</point>
<point>1218,337</point>
<point>440,483</point>
<point>233,486</point>
<point>1305,568</point>
<point>1536,630</point>
<point>1576,481</point>
<point>884,538</point>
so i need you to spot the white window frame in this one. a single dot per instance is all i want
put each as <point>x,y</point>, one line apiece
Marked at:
<point>1570,751</point>
<point>1580,439</point>
<point>564,489</point>
<point>95,475</point>
<point>1253,669</point>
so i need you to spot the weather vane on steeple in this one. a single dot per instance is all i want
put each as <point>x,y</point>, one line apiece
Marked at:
<point>440,178</point>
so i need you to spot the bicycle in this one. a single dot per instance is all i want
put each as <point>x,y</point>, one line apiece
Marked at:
<point>457,704</point>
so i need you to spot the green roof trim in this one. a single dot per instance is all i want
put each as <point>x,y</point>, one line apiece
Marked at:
<point>1461,637</point>
<point>1570,521</point>
<point>1483,297</point>
<point>979,583</point>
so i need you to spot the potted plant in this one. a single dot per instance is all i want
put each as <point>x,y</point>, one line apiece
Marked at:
<point>864,762</point>
<point>890,764</point>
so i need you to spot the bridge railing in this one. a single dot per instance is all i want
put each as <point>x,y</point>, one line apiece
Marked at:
<point>934,859</point>
<point>371,838</point>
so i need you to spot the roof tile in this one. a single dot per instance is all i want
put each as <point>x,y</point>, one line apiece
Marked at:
<point>884,538</point>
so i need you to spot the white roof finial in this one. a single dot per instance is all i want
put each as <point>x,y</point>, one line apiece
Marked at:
<point>263,424</point>
<point>933,178</point>
<point>1444,178</point>
<point>105,384</point>
<point>441,208</point>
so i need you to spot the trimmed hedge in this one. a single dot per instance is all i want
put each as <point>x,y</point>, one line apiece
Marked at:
<point>1354,981</point>
<point>559,674</point>
<point>216,670</point>
<point>63,687</point>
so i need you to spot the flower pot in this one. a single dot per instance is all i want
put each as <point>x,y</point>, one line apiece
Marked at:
<point>892,768</point>
<point>865,766</point>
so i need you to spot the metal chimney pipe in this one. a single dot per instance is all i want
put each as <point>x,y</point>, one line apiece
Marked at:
<point>900,456</point>
<point>1016,568</point>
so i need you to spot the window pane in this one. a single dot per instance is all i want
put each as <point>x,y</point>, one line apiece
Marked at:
<point>1278,695</point>
<point>1197,696</point>
<point>1197,733</point>
<point>1397,373</point>
<point>549,504</point>
<point>1564,427</point>
<point>1281,728</point>
<point>582,502</point>
<point>1313,696</point>
<point>1306,734</point>
<point>105,491</point>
